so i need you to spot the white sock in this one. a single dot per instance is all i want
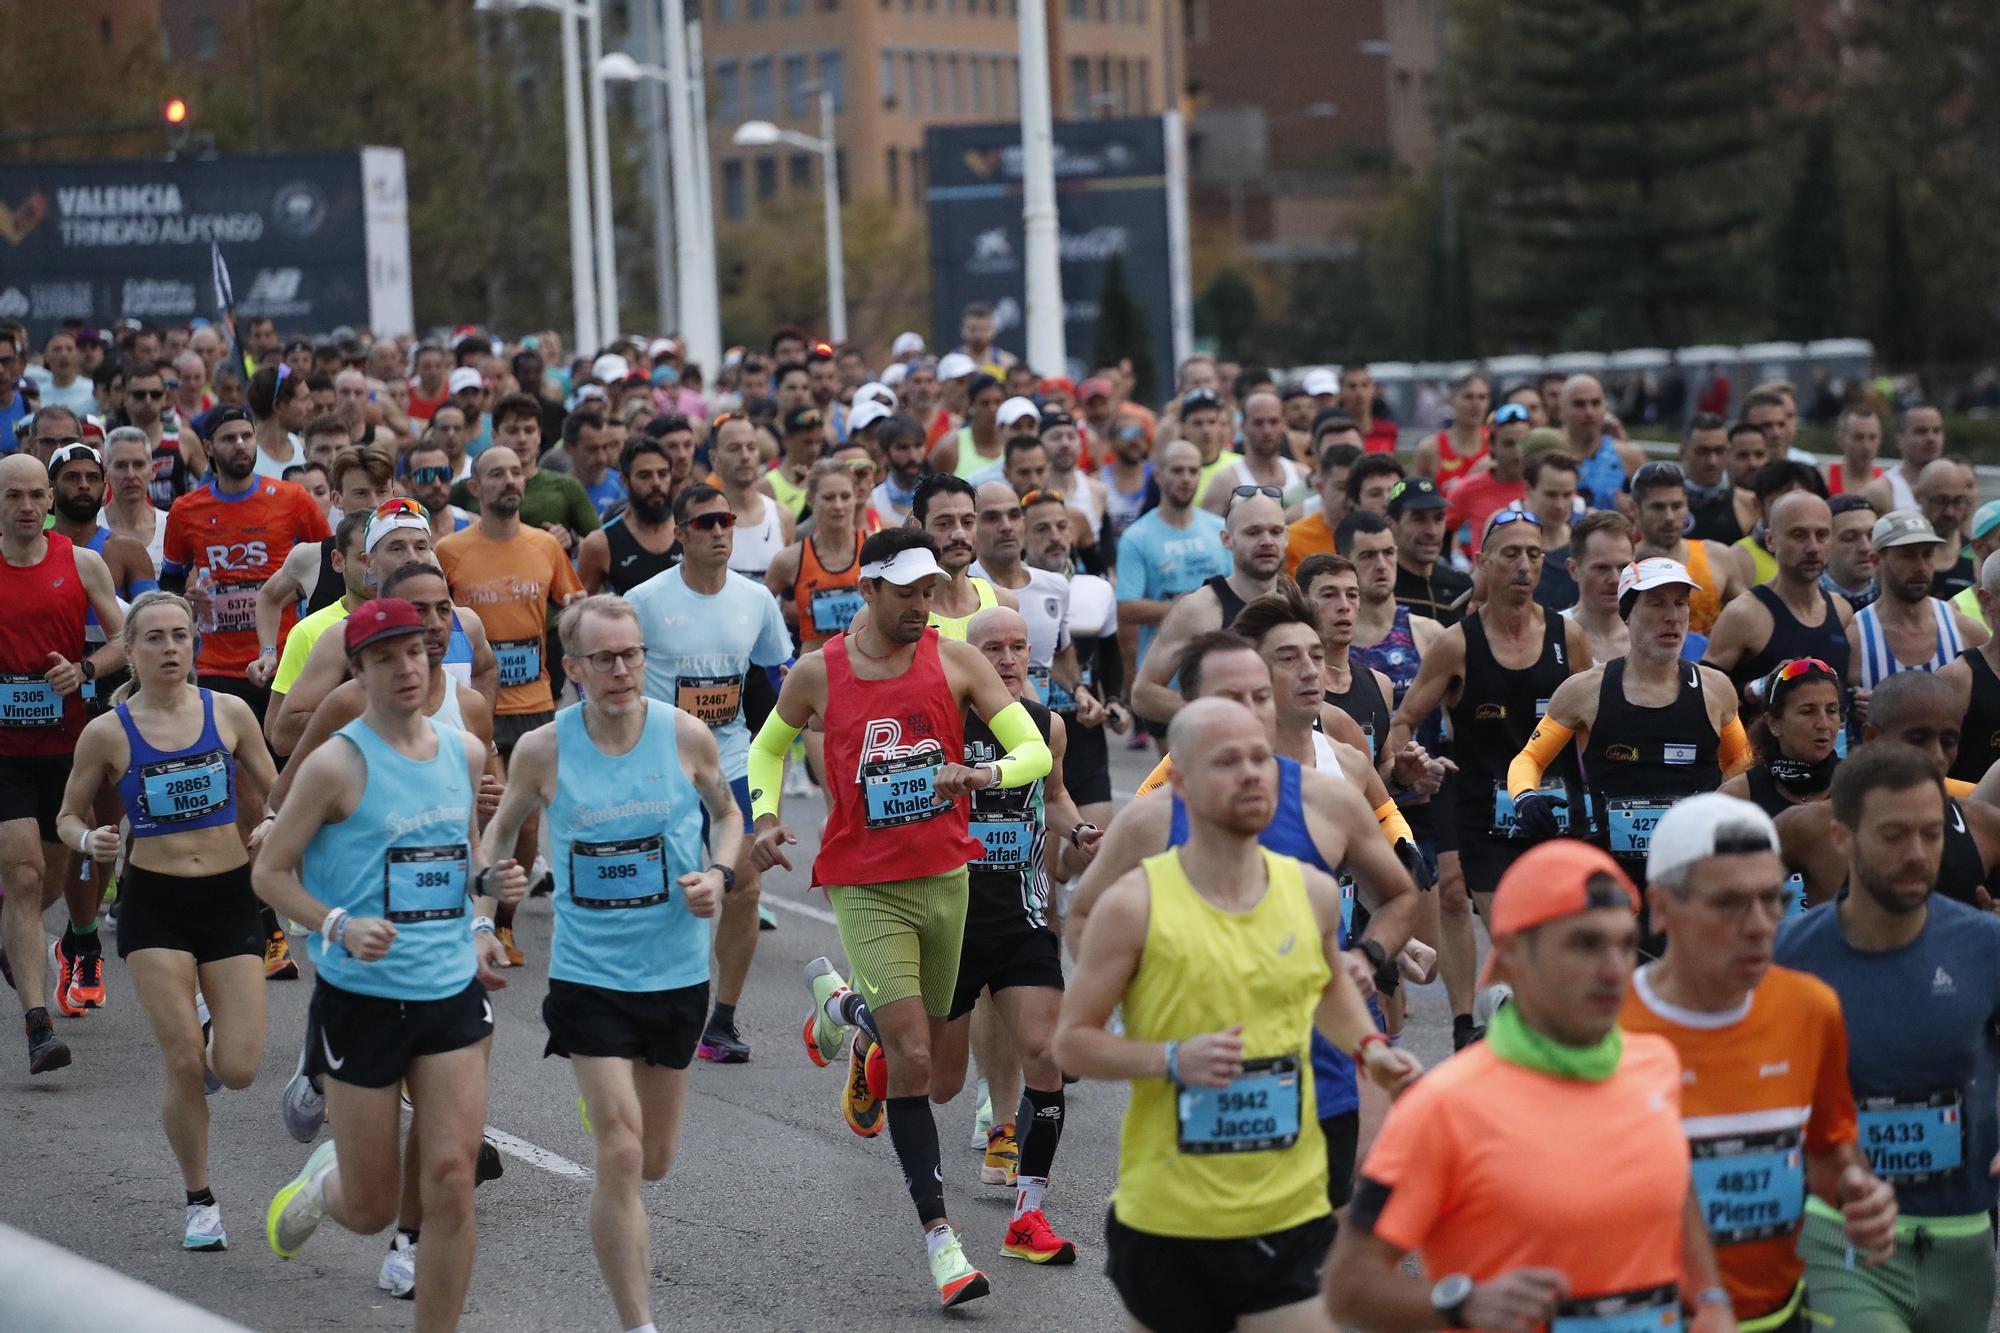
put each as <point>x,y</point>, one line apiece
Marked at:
<point>937,1237</point>
<point>1028,1194</point>
<point>647,1327</point>
<point>832,1007</point>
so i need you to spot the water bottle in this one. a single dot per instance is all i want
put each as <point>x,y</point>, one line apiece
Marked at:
<point>203,580</point>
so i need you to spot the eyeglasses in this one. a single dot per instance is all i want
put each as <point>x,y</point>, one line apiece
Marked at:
<point>603,663</point>
<point>1735,906</point>
<point>1507,413</point>
<point>430,476</point>
<point>1045,493</point>
<point>146,395</point>
<point>715,518</point>
<point>402,505</point>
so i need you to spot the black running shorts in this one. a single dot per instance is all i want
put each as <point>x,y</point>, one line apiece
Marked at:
<point>1174,1284</point>
<point>210,916</point>
<point>1027,958</point>
<point>1086,763</point>
<point>370,1042</point>
<point>661,1027</point>
<point>31,787</point>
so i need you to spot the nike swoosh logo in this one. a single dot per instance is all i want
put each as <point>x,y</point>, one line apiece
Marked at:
<point>628,560</point>
<point>330,1061</point>
<point>866,985</point>
<point>487,1005</point>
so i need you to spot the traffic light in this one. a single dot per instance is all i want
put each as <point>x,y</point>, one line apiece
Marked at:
<point>175,111</point>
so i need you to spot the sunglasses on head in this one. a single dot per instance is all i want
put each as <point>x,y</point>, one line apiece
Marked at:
<point>1245,492</point>
<point>1803,666</point>
<point>1506,516</point>
<point>1507,413</point>
<point>401,505</point>
<point>1048,493</point>
<point>715,518</point>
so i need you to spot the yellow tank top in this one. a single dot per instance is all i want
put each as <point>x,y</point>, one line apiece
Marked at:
<point>791,497</point>
<point>953,627</point>
<point>1204,970</point>
<point>1763,563</point>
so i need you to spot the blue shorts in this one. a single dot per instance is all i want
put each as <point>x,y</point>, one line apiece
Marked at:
<point>740,789</point>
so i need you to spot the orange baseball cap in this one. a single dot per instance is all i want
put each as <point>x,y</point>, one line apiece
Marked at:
<point>1552,880</point>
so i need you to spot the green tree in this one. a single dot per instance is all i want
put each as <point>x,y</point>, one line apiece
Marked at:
<point>1617,142</point>
<point>1227,312</point>
<point>1123,332</point>
<point>773,271</point>
<point>1898,327</point>
<point>1810,246</point>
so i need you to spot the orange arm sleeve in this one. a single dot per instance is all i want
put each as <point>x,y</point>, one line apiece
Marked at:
<point>1525,773</point>
<point>1157,778</point>
<point>1959,788</point>
<point>1733,754</point>
<point>1394,827</point>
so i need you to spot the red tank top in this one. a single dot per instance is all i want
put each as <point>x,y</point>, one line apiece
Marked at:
<point>884,742</point>
<point>1452,465</point>
<point>45,605</point>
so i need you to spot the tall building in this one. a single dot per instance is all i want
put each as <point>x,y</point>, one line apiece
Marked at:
<point>897,66</point>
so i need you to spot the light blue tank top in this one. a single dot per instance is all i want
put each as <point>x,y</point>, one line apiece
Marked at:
<point>623,829</point>
<point>401,855</point>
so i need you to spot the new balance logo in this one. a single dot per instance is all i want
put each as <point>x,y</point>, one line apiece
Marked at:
<point>1941,983</point>
<point>1773,1071</point>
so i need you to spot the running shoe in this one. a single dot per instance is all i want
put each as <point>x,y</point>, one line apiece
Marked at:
<point>296,929</point>
<point>279,965</point>
<point>957,1280</point>
<point>1003,1157</point>
<point>766,918</point>
<point>304,1105</point>
<point>44,1051</point>
<point>982,1119</point>
<point>297,1209</point>
<point>399,1269</point>
<point>204,1228</point>
<point>1488,1002</point>
<point>64,967</point>
<point>823,1035</point>
<point>488,1165</point>
<point>859,1105</point>
<point>86,980</point>
<point>1031,1237</point>
<point>515,958</point>
<point>722,1044</point>
<point>798,782</point>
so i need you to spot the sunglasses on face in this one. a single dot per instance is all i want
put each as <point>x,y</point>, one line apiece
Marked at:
<point>720,518</point>
<point>1510,412</point>
<point>146,395</point>
<point>430,476</point>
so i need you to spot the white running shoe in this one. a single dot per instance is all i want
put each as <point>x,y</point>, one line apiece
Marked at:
<point>399,1269</point>
<point>304,1105</point>
<point>204,1228</point>
<point>1487,1003</point>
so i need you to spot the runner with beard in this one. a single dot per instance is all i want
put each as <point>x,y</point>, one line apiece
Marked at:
<point>998,526</point>
<point>1795,737</point>
<point>945,509</point>
<point>640,540</point>
<point>1093,628</point>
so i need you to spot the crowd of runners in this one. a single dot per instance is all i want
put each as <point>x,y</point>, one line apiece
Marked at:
<point>361,644</point>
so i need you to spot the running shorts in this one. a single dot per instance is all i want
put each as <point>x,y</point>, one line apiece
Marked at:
<point>989,962</point>
<point>1086,763</point>
<point>367,1041</point>
<point>1941,1276</point>
<point>1174,1284</point>
<point>1342,1132</point>
<point>660,1027</point>
<point>903,938</point>
<point>31,787</point>
<point>508,728</point>
<point>209,916</point>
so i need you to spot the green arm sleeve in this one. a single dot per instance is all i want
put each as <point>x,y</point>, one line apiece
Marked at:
<point>767,763</point>
<point>1027,757</point>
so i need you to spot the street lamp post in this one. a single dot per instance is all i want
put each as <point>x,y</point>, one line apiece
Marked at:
<point>1041,234</point>
<point>763,134</point>
<point>600,179</point>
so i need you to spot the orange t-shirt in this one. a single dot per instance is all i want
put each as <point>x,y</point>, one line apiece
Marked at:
<point>509,586</point>
<point>1762,1087</point>
<point>1489,1167</point>
<point>1309,536</point>
<point>241,540</point>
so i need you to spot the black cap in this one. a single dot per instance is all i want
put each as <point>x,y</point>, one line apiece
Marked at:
<point>803,418</point>
<point>1414,493</point>
<point>1194,400</point>
<point>221,416</point>
<point>1051,420</point>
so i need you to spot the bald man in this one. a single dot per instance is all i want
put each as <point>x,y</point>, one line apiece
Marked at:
<point>1791,616</point>
<point>1604,460</point>
<point>1946,493</point>
<point>1262,463</point>
<point>1254,535</point>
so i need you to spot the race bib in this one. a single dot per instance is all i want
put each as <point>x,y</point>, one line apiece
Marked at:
<point>1912,1139</point>
<point>1795,894</point>
<point>714,700</point>
<point>1346,884</point>
<point>234,608</point>
<point>1009,840</point>
<point>424,883</point>
<point>1257,1112</point>
<point>1655,1311</point>
<point>1631,824</point>
<point>520,661</point>
<point>834,609</point>
<point>28,701</point>
<point>1042,683</point>
<point>1751,1187</point>
<point>1503,808</point>
<point>175,791</point>
<point>1061,700</point>
<point>631,872</point>
<point>902,790</point>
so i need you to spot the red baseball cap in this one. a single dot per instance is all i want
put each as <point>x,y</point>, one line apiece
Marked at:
<point>1552,880</point>
<point>378,619</point>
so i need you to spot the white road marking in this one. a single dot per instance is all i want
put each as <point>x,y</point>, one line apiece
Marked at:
<point>803,909</point>
<point>553,1163</point>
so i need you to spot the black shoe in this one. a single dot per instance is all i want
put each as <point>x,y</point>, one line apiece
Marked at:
<point>45,1052</point>
<point>544,886</point>
<point>721,1045</point>
<point>488,1167</point>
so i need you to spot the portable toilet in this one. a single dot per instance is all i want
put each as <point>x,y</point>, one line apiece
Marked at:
<point>1701,363</point>
<point>1395,385</point>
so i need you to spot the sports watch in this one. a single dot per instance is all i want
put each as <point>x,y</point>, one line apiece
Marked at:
<point>1448,1298</point>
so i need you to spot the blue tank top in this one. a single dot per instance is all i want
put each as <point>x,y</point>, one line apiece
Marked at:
<point>458,653</point>
<point>1602,475</point>
<point>178,791</point>
<point>1287,834</point>
<point>1397,658</point>
<point>623,829</point>
<point>402,855</point>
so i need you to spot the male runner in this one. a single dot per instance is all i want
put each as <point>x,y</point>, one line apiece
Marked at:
<point>1425,581</point>
<point>1042,597</point>
<point>384,822</point>
<point>77,478</point>
<point>1551,497</point>
<point>1919,443</point>
<point>128,506</point>
<point>1974,676</point>
<point>1791,616</point>
<point>895,849</point>
<point>1332,588</point>
<point>1225,958</point>
<point>900,439</point>
<point>622,779</point>
<point>705,627</point>
<point>1719,573</point>
<point>1476,1167</point>
<point>1905,628</point>
<point>48,586</point>
<point>1100,667</point>
<point>1262,463</point>
<point>945,508</point>
<point>1254,539</point>
<point>764,525</point>
<point>1764,1096</point>
<point>1946,494</point>
<point>427,479</point>
<point>308,581</point>
<point>1169,551</point>
<point>640,540</point>
<point>1918,976</point>
<point>1601,548</point>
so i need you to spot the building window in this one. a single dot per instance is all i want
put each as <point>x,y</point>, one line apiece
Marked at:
<point>1013,85</point>
<point>937,82</point>
<point>894,177</point>
<point>762,105</point>
<point>1079,10</point>
<point>1124,87</point>
<point>1079,87</point>
<point>799,171</point>
<point>767,177</point>
<point>728,93</point>
<point>734,204</point>
<point>1138,11</point>
<point>795,85</point>
<point>833,79</point>
<point>952,104</point>
<point>1194,20</point>
<point>207,39</point>
<point>919,176</point>
<point>886,75</point>
<point>794,8</point>
<point>757,10</point>
<point>914,101</point>
<point>725,12</point>
<point>1145,87</point>
<point>978,71</point>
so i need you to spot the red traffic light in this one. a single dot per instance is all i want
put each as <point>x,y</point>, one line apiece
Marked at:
<point>176,111</point>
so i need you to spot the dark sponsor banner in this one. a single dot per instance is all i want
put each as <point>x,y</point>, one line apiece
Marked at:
<point>1111,199</point>
<point>106,240</point>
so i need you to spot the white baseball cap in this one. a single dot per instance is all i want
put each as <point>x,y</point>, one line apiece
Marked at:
<point>1014,409</point>
<point>660,347</point>
<point>610,368</point>
<point>865,413</point>
<point>463,378</point>
<point>907,566</point>
<point>1320,383</point>
<point>893,373</point>
<point>591,393</point>
<point>1653,572</point>
<point>1710,824</point>
<point>1902,527</point>
<point>381,524</point>
<point>875,391</point>
<point>955,366</point>
<point>908,343</point>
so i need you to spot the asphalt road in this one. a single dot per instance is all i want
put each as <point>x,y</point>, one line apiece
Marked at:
<point>775,1216</point>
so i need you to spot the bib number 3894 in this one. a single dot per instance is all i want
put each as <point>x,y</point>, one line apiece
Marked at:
<point>424,883</point>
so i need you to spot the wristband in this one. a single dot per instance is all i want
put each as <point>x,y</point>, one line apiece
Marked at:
<point>1076,834</point>
<point>482,925</point>
<point>333,927</point>
<point>1361,1047</point>
<point>479,885</point>
<point>1173,1064</point>
<point>83,841</point>
<point>1712,1296</point>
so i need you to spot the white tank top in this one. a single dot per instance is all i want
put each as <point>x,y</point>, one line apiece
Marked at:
<point>1325,758</point>
<point>1244,477</point>
<point>1083,497</point>
<point>756,546</point>
<point>448,711</point>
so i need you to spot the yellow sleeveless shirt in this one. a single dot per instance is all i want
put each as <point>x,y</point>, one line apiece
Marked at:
<point>953,627</point>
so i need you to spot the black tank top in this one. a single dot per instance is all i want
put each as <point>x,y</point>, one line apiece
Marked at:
<point>1979,735</point>
<point>331,586</point>
<point>1764,793</point>
<point>632,564</point>
<point>1226,597</point>
<point>1497,708</point>
<point>1789,639</point>
<point>1362,700</point>
<point>1961,870</point>
<point>1639,760</point>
